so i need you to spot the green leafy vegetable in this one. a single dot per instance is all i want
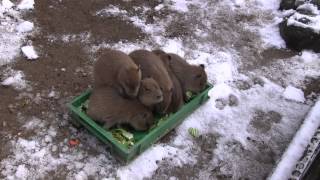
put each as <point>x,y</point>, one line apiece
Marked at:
<point>189,95</point>
<point>124,137</point>
<point>84,106</point>
<point>193,132</point>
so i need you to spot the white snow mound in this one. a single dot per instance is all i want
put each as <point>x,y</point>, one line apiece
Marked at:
<point>26,4</point>
<point>295,94</point>
<point>16,80</point>
<point>25,26</point>
<point>7,4</point>
<point>29,52</point>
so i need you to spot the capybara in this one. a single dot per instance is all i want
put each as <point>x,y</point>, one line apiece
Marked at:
<point>191,77</point>
<point>151,67</point>
<point>177,94</point>
<point>108,107</point>
<point>116,69</point>
<point>150,93</point>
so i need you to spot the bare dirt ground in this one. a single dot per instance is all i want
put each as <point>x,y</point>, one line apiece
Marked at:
<point>66,68</point>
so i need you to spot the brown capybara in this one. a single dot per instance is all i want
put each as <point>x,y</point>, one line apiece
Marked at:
<point>116,69</point>
<point>177,94</point>
<point>108,107</point>
<point>191,77</point>
<point>155,69</point>
<point>150,93</point>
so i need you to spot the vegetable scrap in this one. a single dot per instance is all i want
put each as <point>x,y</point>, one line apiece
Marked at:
<point>193,132</point>
<point>123,137</point>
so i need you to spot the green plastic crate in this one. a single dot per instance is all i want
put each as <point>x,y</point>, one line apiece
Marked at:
<point>143,139</point>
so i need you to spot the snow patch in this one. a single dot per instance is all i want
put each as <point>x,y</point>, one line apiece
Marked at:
<point>111,10</point>
<point>313,24</point>
<point>269,4</point>
<point>7,4</point>
<point>15,80</point>
<point>293,93</point>
<point>10,40</point>
<point>25,26</point>
<point>313,9</point>
<point>26,4</point>
<point>29,52</point>
<point>270,34</point>
<point>21,172</point>
<point>309,56</point>
<point>297,146</point>
<point>148,160</point>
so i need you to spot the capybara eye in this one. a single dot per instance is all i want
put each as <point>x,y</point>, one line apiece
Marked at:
<point>198,76</point>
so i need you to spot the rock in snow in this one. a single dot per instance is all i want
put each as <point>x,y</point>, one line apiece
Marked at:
<point>29,52</point>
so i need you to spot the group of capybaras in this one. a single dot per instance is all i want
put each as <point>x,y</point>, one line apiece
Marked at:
<point>132,88</point>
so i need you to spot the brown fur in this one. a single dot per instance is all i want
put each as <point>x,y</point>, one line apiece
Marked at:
<point>177,94</point>
<point>108,107</point>
<point>150,92</point>
<point>191,77</point>
<point>116,69</point>
<point>151,67</point>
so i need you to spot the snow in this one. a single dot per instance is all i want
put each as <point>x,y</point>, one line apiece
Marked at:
<point>313,9</point>
<point>15,79</point>
<point>21,172</point>
<point>29,52</point>
<point>270,4</point>
<point>26,4</point>
<point>159,7</point>
<point>271,35</point>
<point>10,40</point>
<point>181,5</point>
<point>148,161</point>
<point>7,4</point>
<point>111,10</point>
<point>309,56</point>
<point>51,94</point>
<point>293,93</point>
<point>299,143</point>
<point>25,26</point>
<point>314,23</point>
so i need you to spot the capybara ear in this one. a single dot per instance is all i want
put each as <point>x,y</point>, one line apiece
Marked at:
<point>169,57</point>
<point>202,66</point>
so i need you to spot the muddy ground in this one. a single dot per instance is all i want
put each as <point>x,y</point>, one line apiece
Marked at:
<point>66,68</point>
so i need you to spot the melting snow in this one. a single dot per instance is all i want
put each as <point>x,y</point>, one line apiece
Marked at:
<point>295,94</point>
<point>10,40</point>
<point>15,79</point>
<point>298,145</point>
<point>26,4</point>
<point>25,26</point>
<point>29,52</point>
<point>314,22</point>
